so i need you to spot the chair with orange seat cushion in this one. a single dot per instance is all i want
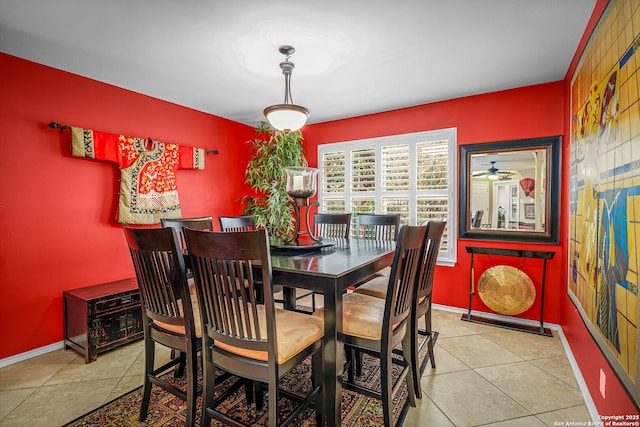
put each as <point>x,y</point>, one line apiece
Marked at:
<point>169,311</point>
<point>423,299</point>
<point>376,326</point>
<point>378,286</point>
<point>241,336</point>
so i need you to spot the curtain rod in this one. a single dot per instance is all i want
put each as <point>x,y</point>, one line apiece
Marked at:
<point>54,125</point>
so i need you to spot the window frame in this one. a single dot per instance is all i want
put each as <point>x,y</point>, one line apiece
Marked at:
<point>446,257</point>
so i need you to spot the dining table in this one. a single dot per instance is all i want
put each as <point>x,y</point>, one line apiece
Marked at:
<point>330,270</point>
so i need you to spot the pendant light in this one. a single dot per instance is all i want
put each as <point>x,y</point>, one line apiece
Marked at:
<point>286,117</point>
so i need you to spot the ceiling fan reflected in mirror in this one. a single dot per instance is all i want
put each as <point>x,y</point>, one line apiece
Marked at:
<point>493,173</point>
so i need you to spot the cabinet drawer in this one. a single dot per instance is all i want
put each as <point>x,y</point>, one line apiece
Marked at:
<point>116,327</point>
<point>108,304</point>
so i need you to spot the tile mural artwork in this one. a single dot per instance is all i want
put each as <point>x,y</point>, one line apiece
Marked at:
<point>604,201</point>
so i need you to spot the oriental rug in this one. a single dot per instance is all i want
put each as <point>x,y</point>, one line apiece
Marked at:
<point>167,410</point>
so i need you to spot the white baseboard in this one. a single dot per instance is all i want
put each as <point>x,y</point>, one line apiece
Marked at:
<point>31,353</point>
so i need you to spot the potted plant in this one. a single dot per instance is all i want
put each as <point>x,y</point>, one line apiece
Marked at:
<point>272,152</point>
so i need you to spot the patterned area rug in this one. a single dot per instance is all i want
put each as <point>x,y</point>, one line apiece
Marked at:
<point>167,410</point>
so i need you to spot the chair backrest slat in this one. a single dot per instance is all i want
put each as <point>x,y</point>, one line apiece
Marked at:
<point>237,223</point>
<point>224,266</point>
<point>378,226</point>
<point>329,226</point>
<point>160,272</point>
<point>402,279</point>
<point>424,286</point>
<point>195,223</point>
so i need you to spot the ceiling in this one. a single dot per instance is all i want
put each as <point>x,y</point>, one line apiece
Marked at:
<point>352,57</point>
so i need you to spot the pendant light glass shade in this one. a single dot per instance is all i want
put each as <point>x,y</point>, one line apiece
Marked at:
<point>286,117</point>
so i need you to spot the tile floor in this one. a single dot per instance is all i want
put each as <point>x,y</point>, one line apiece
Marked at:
<point>485,376</point>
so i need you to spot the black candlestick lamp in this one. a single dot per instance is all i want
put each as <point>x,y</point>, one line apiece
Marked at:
<point>301,186</point>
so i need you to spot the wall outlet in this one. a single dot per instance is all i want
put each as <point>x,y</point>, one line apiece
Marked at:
<point>603,383</point>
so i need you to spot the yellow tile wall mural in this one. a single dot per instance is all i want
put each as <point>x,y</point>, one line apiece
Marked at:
<point>604,211</point>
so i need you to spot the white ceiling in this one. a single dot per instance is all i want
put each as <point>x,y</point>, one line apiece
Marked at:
<point>352,57</point>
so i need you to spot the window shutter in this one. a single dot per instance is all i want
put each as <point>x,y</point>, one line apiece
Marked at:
<point>395,168</point>
<point>432,165</point>
<point>333,172</point>
<point>363,170</point>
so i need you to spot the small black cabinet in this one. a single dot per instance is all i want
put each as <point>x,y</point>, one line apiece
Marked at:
<point>101,317</point>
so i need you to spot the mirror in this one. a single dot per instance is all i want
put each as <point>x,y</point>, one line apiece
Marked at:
<point>510,190</point>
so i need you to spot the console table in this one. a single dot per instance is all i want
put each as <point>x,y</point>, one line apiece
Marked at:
<point>544,255</point>
<point>101,317</point>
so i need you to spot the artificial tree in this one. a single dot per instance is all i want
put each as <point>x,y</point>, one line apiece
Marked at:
<point>272,152</point>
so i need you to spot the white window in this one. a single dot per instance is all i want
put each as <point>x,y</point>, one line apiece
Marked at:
<point>412,174</point>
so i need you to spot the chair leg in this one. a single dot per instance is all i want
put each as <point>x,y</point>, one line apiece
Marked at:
<point>179,369</point>
<point>149,358</point>
<point>386,383</point>
<point>413,382</point>
<point>192,385</point>
<point>427,321</point>
<point>274,397</point>
<point>348,358</point>
<point>316,380</point>
<point>209,385</point>
<point>358,360</point>
<point>413,360</point>
<point>249,392</point>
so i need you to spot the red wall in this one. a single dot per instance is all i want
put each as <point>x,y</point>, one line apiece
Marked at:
<point>56,211</point>
<point>528,112</point>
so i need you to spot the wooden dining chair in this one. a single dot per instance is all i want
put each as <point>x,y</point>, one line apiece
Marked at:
<point>196,223</point>
<point>237,223</point>
<point>242,336</point>
<point>422,301</point>
<point>376,326</point>
<point>332,225</point>
<point>327,226</point>
<point>377,226</point>
<point>170,315</point>
<point>378,286</point>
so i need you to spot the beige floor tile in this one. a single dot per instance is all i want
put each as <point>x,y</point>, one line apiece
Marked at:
<point>576,413</point>
<point>445,362</point>
<point>559,367</point>
<point>469,400</point>
<point>57,404</point>
<point>477,351</point>
<point>448,324</point>
<point>529,421</point>
<point>531,387</point>
<point>426,413</point>
<point>11,399</point>
<point>111,364</point>
<point>527,346</point>
<point>163,355</point>
<point>125,385</point>
<point>36,371</point>
<point>481,328</point>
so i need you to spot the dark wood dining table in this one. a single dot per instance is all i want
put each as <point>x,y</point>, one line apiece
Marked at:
<point>330,271</point>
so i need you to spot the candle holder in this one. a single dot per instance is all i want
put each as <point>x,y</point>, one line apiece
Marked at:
<point>301,186</point>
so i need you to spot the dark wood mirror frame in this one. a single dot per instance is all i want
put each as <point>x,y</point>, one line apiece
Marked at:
<point>551,233</point>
